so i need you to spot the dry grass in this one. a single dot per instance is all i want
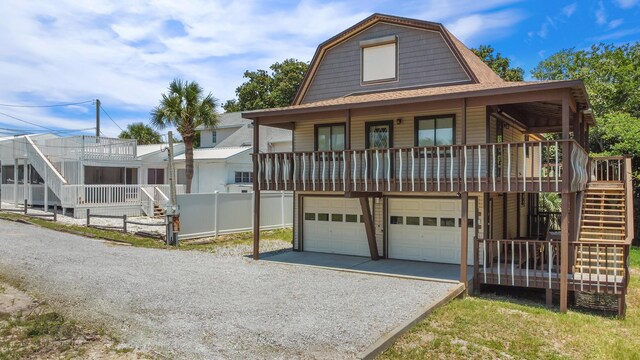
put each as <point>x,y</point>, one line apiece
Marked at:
<point>497,327</point>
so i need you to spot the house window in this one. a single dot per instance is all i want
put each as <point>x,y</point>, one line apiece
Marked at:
<point>214,137</point>
<point>155,176</point>
<point>244,177</point>
<point>330,137</point>
<point>379,59</point>
<point>435,130</point>
<point>182,176</point>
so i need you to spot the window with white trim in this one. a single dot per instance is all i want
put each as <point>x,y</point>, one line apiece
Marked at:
<point>379,59</point>
<point>244,177</point>
<point>214,137</point>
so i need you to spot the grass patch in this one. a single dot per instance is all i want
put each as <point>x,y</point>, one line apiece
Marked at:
<point>139,241</point>
<point>501,327</point>
<point>243,238</point>
<point>39,335</point>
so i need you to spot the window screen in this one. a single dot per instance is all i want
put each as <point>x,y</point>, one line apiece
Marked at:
<point>379,62</point>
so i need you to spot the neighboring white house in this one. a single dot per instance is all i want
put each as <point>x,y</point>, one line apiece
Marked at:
<point>105,175</point>
<point>223,161</point>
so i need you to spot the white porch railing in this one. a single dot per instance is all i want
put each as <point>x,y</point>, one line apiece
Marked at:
<point>91,147</point>
<point>43,166</point>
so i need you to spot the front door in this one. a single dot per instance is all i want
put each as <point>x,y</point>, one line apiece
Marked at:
<point>379,136</point>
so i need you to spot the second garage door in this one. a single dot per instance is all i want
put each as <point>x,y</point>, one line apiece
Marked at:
<point>334,225</point>
<point>428,229</point>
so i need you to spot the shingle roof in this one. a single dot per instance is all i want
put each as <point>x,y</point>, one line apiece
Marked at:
<point>421,94</point>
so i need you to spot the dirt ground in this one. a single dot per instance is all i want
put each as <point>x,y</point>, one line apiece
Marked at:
<point>29,330</point>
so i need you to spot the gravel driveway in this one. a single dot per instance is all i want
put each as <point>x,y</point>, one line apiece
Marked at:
<point>188,304</point>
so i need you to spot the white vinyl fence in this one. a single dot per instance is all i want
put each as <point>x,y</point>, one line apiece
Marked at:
<point>211,214</point>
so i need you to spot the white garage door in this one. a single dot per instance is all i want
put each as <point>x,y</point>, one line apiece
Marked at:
<point>428,230</point>
<point>334,225</point>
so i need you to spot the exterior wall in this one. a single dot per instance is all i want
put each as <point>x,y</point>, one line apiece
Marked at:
<point>403,134</point>
<point>211,176</point>
<point>206,139</point>
<point>424,59</point>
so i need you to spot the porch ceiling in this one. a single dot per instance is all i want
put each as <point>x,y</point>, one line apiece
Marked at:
<point>540,116</point>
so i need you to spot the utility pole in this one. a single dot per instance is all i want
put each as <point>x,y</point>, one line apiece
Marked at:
<point>172,212</point>
<point>98,118</point>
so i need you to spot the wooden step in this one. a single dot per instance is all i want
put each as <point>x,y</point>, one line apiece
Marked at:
<point>603,227</point>
<point>602,210</point>
<point>619,216</point>
<point>621,204</point>
<point>600,233</point>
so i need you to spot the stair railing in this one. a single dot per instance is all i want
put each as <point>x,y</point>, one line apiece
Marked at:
<point>147,201</point>
<point>43,166</point>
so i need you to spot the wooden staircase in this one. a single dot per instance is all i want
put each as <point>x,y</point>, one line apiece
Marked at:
<point>158,211</point>
<point>602,221</point>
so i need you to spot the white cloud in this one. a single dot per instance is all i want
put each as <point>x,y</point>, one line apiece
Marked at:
<point>601,14</point>
<point>569,9</point>
<point>615,23</point>
<point>469,28</point>
<point>626,4</point>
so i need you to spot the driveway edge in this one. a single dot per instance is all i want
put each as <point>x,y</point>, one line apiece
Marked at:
<point>384,342</point>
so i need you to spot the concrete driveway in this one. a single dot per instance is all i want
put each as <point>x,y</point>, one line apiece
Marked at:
<point>187,304</point>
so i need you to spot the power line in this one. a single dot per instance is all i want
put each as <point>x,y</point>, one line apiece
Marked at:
<point>46,106</point>
<point>109,116</point>
<point>25,121</point>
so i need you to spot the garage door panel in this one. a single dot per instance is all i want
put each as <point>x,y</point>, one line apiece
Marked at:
<point>339,234</point>
<point>431,240</point>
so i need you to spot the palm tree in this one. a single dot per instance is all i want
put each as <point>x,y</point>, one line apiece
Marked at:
<point>141,132</point>
<point>185,107</point>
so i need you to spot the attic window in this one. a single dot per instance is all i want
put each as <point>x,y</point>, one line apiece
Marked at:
<point>379,59</point>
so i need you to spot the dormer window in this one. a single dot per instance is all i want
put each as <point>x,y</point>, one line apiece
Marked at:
<point>379,60</point>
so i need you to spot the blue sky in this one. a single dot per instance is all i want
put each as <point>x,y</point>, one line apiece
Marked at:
<point>126,52</point>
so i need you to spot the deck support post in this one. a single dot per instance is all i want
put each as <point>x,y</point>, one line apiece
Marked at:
<point>549,297</point>
<point>15,181</point>
<point>566,205</point>
<point>368,224</point>
<point>256,191</point>
<point>464,237</point>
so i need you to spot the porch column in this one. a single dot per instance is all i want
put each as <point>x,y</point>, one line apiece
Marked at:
<point>347,147</point>
<point>566,201</point>
<point>368,225</point>
<point>46,192</point>
<point>15,181</point>
<point>25,180</point>
<point>256,191</point>
<point>464,237</point>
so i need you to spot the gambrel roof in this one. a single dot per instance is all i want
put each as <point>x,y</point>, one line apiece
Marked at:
<point>476,70</point>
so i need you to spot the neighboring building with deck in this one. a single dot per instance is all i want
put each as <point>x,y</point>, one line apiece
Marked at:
<point>407,146</point>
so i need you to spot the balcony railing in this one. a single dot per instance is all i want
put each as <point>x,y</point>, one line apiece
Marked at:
<point>601,268</point>
<point>91,147</point>
<point>501,167</point>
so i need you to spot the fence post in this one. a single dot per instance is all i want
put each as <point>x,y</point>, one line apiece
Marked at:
<point>282,208</point>
<point>253,208</point>
<point>88,217</point>
<point>25,206</point>
<point>124,223</point>
<point>216,209</point>
<point>55,212</point>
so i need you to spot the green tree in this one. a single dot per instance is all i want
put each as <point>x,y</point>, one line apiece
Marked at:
<point>499,64</point>
<point>141,132</point>
<point>268,89</point>
<point>185,107</point>
<point>611,75</point>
